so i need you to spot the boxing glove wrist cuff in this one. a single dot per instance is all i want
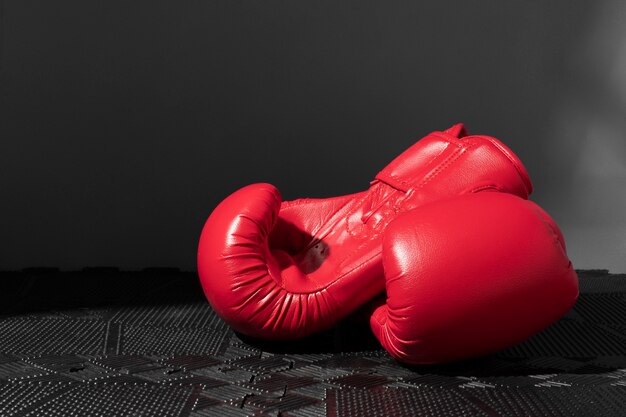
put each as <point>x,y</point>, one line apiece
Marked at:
<point>441,151</point>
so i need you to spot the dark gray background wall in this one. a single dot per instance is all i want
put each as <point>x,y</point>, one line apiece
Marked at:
<point>123,123</point>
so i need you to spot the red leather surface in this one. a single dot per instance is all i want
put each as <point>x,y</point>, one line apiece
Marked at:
<point>284,270</point>
<point>469,276</point>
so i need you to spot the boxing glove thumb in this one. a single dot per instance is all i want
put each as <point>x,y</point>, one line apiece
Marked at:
<point>471,275</point>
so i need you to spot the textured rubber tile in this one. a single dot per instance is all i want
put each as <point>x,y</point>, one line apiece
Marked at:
<point>101,341</point>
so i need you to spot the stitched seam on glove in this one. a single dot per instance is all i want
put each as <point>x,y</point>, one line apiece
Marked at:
<point>384,174</point>
<point>450,160</point>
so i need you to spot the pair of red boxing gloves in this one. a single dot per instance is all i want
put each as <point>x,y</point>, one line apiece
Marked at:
<point>469,265</point>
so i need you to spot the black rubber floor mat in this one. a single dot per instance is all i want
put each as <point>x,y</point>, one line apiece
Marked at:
<point>105,342</point>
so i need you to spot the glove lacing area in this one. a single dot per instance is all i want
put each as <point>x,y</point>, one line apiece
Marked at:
<point>380,193</point>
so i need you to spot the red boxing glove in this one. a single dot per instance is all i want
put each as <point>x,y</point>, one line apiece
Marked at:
<point>469,276</point>
<point>284,270</point>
